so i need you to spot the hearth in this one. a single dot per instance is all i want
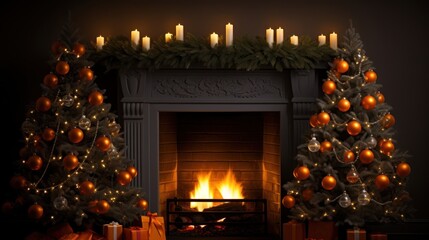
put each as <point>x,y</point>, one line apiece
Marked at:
<point>179,123</point>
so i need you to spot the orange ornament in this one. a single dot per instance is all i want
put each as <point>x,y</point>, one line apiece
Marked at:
<point>388,121</point>
<point>123,178</point>
<point>301,173</point>
<point>79,49</point>
<point>382,181</point>
<point>288,201</point>
<point>403,169</point>
<point>86,188</point>
<point>354,127</point>
<point>313,120</point>
<point>86,74</point>
<point>43,104</point>
<point>95,98</point>
<point>103,143</point>
<point>142,204</point>
<point>103,206</point>
<point>329,182</point>
<point>70,162</point>
<point>368,102</point>
<point>57,48</point>
<point>75,135</point>
<point>387,147</point>
<point>323,118</point>
<point>18,182</point>
<point>366,156</point>
<point>325,146</point>
<point>35,211</point>
<point>92,206</point>
<point>48,134</point>
<point>132,170</point>
<point>335,63</point>
<point>370,76</point>
<point>50,80</point>
<point>343,105</point>
<point>34,162</point>
<point>348,156</point>
<point>342,66</point>
<point>62,67</point>
<point>329,87</point>
<point>380,97</point>
<point>307,194</point>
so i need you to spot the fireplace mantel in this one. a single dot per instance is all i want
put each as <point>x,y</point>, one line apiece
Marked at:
<point>146,93</point>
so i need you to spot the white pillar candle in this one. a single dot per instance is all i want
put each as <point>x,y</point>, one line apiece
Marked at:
<point>100,42</point>
<point>168,37</point>
<point>214,38</point>
<point>229,32</point>
<point>333,40</point>
<point>294,40</point>
<point>279,35</point>
<point>269,35</point>
<point>322,39</point>
<point>135,37</point>
<point>146,43</point>
<point>179,32</point>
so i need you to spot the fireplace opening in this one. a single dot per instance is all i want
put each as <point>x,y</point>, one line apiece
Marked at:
<point>244,144</point>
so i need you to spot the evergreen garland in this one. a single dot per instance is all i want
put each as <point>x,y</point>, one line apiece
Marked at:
<point>245,54</point>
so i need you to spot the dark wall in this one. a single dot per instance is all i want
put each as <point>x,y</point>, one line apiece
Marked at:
<point>394,34</point>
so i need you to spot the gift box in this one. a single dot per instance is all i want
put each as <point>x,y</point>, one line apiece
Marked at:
<point>378,236</point>
<point>326,230</point>
<point>60,230</point>
<point>356,234</point>
<point>154,225</point>
<point>112,231</point>
<point>293,230</point>
<point>136,233</point>
<point>86,235</point>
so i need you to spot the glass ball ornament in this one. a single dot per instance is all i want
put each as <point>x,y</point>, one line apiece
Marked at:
<point>112,152</point>
<point>372,142</point>
<point>345,200</point>
<point>68,100</point>
<point>60,203</point>
<point>84,122</point>
<point>313,145</point>
<point>359,56</point>
<point>364,198</point>
<point>352,176</point>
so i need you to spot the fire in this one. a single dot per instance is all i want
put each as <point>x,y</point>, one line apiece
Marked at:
<point>228,188</point>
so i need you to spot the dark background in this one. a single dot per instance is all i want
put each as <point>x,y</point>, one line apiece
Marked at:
<point>394,35</point>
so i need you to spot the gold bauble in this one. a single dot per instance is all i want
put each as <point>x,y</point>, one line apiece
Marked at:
<point>142,204</point>
<point>79,49</point>
<point>348,156</point>
<point>86,74</point>
<point>70,162</point>
<point>62,67</point>
<point>132,170</point>
<point>92,206</point>
<point>301,173</point>
<point>342,66</point>
<point>323,118</point>
<point>329,182</point>
<point>313,120</point>
<point>387,147</point>
<point>35,211</point>
<point>380,97</point>
<point>307,194</point>
<point>370,76</point>
<point>354,127</point>
<point>123,178</point>
<point>75,135</point>
<point>388,121</point>
<point>343,105</point>
<point>325,146</point>
<point>403,169</point>
<point>368,102</point>
<point>18,182</point>
<point>288,201</point>
<point>366,156</point>
<point>103,206</point>
<point>95,98</point>
<point>34,162</point>
<point>382,181</point>
<point>50,80</point>
<point>86,188</point>
<point>48,134</point>
<point>103,143</point>
<point>329,87</point>
<point>43,104</point>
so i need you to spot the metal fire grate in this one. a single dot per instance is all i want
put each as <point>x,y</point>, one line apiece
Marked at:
<point>240,217</point>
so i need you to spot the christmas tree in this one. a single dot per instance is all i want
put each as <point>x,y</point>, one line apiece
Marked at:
<point>349,170</point>
<point>72,167</point>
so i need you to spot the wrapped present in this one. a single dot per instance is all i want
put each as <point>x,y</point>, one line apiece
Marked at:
<point>293,230</point>
<point>70,236</point>
<point>60,230</point>
<point>112,231</point>
<point>136,233</point>
<point>86,235</point>
<point>356,234</point>
<point>326,230</point>
<point>378,236</point>
<point>154,225</point>
<point>96,236</point>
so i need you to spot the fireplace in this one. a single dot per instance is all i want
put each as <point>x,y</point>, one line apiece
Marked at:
<point>180,122</point>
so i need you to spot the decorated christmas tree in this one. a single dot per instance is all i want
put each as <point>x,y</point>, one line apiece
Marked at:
<point>72,167</point>
<point>349,169</point>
